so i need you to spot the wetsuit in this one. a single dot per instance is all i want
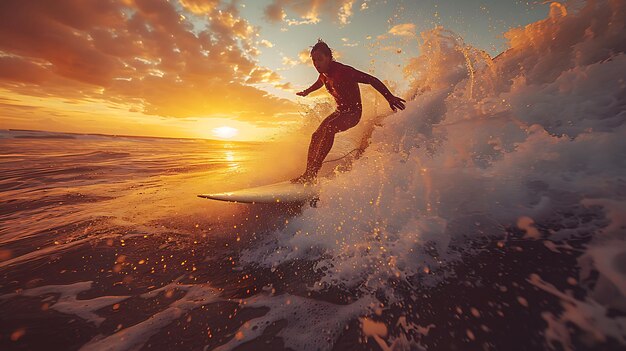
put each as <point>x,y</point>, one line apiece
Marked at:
<point>342,82</point>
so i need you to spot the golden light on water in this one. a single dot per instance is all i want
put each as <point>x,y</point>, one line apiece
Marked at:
<point>225,132</point>
<point>230,157</point>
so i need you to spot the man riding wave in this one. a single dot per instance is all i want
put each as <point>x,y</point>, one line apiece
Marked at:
<point>342,82</point>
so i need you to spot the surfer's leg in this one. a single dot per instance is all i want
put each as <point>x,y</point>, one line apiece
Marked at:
<point>314,148</point>
<point>333,124</point>
<point>323,147</point>
<point>323,139</point>
<point>317,139</point>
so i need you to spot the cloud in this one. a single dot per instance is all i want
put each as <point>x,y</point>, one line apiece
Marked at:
<point>144,54</point>
<point>346,42</point>
<point>284,86</point>
<point>345,12</point>
<point>405,29</point>
<point>267,43</point>
<point>307,19</point>
<point>17,69</point>
<point>263,75</point>
<point>309,12</point>
<point>274,12</point>
<point>289,62</point>
<point>55,33</point>
<point>305,57</point>
<point>200,6</point>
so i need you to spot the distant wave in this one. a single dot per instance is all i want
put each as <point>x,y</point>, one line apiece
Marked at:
<point>44,137</point>
<point>41,134</point>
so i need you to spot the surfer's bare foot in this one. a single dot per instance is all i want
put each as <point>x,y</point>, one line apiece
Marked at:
<point>304,179</point>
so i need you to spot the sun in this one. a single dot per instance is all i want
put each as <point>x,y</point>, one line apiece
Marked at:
<point>225,132</point>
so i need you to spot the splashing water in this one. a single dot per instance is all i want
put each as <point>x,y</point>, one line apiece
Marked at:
<point>535,136</point>
<point>490,214</point>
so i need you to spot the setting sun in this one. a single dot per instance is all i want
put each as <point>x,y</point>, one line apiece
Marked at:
<point>225,132</point>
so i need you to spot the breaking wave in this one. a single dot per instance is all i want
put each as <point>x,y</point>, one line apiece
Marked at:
<point>531,141</point>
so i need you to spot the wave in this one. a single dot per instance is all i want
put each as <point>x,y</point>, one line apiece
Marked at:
<point>531,141</point>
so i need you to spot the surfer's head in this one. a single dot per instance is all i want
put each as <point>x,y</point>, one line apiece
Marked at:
<point>321,56</point>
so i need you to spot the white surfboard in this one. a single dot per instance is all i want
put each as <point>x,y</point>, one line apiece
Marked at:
<point>272,193</point>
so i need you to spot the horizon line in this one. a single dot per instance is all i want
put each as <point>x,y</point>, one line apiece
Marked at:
<point>128,136</point>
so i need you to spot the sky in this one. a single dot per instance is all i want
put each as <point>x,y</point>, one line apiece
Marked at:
<point>211,68</point>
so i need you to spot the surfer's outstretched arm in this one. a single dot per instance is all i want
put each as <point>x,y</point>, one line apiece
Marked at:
<point>394,102</point>
<point>318,84</point>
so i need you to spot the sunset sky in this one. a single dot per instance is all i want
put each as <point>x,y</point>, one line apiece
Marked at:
<point>210,68</point>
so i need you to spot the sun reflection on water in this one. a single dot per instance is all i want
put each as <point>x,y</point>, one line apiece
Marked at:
<point>230,157</point>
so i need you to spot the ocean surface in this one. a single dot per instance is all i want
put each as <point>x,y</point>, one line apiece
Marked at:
<point>488,215</point>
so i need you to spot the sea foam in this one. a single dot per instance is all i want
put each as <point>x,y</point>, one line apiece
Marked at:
<point>532,139</point>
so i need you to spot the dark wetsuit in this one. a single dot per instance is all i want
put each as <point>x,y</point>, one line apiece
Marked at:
<point>342,82</point>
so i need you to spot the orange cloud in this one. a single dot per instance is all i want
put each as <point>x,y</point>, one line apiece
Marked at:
<point>17,69</point>
<point>305,57</point>
<point>263,75</point>
<point>405,29</point>
<point>266,43</point>
<point>275,12</point>
<point>285,86</point>
<point>310,11</point>
<point>200,6</point>
<point>143,54</point>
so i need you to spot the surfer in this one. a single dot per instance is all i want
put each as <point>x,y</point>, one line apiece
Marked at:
<point>342,82</point>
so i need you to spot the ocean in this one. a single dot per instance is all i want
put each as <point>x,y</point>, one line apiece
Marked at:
<point>488,215</point>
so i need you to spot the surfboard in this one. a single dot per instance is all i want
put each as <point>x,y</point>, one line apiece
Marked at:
<point>272,193</point>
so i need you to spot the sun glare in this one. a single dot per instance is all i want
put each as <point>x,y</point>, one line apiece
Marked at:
<point>225,132</point>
